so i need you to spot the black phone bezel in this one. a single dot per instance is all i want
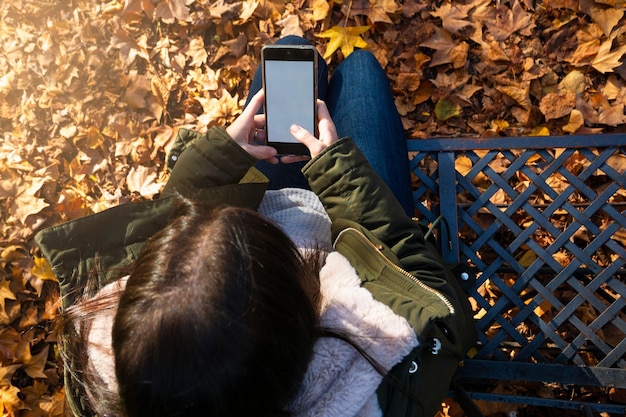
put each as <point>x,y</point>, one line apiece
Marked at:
<point>291,53</point>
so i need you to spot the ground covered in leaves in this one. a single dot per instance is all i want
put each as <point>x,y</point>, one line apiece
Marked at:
<point>92,93</point>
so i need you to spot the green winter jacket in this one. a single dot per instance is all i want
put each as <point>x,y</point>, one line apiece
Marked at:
<point>369,226</point>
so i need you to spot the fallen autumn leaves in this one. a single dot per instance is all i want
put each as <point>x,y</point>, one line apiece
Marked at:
<point>91,94</point>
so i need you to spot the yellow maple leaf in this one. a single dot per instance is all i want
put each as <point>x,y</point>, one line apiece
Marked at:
<point>539,131</point>
<point>42,269</point>
<point>344,38</point>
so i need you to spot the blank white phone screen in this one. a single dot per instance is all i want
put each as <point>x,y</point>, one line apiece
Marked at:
<point>289,94</point>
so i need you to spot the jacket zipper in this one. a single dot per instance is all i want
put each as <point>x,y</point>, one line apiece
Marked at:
<point>402,271</point>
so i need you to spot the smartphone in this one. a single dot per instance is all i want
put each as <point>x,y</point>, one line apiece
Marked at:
<point>290,84</point>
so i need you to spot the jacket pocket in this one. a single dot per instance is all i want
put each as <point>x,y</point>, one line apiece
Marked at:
<point>405,294</point>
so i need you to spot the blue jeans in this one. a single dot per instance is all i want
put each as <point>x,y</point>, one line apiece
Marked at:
<point>361,104</point>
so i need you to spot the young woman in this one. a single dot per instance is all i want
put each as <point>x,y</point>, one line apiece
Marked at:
<point>316,297</point>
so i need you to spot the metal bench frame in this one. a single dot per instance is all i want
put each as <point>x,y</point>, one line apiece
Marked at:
<point>535,330</point>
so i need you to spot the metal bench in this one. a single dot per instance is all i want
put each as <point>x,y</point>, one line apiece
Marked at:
<point>542,223</point>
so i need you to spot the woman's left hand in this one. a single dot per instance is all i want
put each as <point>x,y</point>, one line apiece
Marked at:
<point>248,127</point>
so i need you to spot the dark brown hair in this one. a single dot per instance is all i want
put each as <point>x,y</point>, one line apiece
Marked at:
<point>218,318</point>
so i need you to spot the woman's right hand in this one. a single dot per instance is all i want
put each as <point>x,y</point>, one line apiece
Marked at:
<point>248,128</point>
<point>327,134</point>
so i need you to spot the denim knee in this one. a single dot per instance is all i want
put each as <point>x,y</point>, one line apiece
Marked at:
<point>292,40</point>
<point>362,58</point>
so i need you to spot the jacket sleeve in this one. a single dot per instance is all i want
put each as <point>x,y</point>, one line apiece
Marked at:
<point>352,192</point>
<point>206,163</point>
<point>89,252</point>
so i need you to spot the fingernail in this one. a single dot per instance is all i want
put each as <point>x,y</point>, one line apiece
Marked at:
<point>295,128</point>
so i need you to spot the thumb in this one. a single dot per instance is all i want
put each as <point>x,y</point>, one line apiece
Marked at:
<point>301,133</point>
<point>305,137</point>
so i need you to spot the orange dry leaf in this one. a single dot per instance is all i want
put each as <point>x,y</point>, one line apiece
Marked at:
<point>408,82</point>
<point>574,82</point>
<point>142,180</point>
<point>612,115</point>
<point>196,52</point>
<point>576,121</point>
<point>519,93</point>
<point>10,402</point>
<point>588,44</point>
<point>34,395</point>
<point>345,39</point>
<point>321,8</point>
<point>134,10</point>
<point>463,165</point>
<point>557,105</point>
<point>607,60</point>
<point>509,21</point>
<point>290,25</point>
<point>443,44</point>
<point>497,408</point>
<point>53,404</point>
<point>34,365</point>
<point>606,17</point>
<point>375,10</point>
<point>9,340</point>
<point>454,17</point>
<point>247,9</point>
<point>170,10</point>
<point>5,294</point>
<point>542,309</point>
<point>93,139</point>
<point>129,48</point>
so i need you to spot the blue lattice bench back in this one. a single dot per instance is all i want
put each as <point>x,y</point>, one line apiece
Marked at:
<point>542,222</point>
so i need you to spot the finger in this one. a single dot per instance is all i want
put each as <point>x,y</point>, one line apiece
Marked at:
<point>260,151</point>
<point>322,110</point>
<point>259,121</point>
<point>326,126</point>
<point>289,159</point>
<point>256,102</point>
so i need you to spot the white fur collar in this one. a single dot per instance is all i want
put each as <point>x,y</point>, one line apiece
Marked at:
<point>340,381</point>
